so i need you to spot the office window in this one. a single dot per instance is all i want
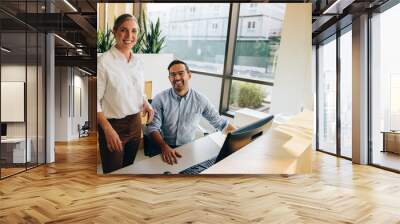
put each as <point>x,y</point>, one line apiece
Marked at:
<point>385,88</point>
<point>256,56</point>
<point>215,26</point>
<point>346,94</point>
<point>249,95</point>
<point>256,50</point>
<point>327,96</point>
<point>251,25</point>
<point>202,41</point>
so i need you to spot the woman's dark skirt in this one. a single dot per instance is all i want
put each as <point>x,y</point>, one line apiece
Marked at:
<point>129,131</point>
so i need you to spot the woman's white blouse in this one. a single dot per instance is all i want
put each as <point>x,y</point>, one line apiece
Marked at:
<point>120,84</point>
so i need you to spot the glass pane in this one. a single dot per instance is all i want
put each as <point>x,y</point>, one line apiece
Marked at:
<point>346,94</point>
<point>258,39</point>
<point>32,98</point>
<point>327,97</point>
<point>13,85</point>
<point>41,99</point>
<point>386,89</point>
<point>249,95</point>
<point>195,33</point>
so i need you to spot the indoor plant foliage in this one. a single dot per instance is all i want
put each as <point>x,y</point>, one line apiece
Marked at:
<point>105,40</point>
<point>153,42</point>
<point>149,38</point>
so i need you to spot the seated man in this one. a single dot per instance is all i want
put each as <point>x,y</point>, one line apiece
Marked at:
<point>177,113</point>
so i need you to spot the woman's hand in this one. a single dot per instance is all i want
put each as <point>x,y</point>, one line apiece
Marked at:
<point>114,143</point>
<point>148,110</point>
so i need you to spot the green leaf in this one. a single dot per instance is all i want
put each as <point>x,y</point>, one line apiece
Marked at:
<point>105,40</point>
<point>152,41</point>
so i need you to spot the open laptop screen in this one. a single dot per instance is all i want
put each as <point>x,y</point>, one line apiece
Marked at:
<point>243,136</point>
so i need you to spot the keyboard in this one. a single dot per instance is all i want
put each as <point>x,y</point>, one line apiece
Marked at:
<point>196,169</point>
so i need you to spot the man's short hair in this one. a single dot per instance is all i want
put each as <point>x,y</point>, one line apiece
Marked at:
<point>176,62</point>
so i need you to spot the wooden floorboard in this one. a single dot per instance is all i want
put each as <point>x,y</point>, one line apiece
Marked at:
<point>70,191</point>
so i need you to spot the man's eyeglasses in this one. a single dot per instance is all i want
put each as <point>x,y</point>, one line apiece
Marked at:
<point>181,74</point>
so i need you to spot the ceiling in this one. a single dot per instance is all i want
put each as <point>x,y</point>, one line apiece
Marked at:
<point>76,26</point>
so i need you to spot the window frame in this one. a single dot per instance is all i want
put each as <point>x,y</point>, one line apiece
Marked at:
<point>334,37</point>
<point>227,75</point>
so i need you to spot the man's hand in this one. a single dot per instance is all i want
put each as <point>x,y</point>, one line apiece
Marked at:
<point>113,141</point>
<point>169,155</point>
<point>230,128</point>
<point>147,109</point>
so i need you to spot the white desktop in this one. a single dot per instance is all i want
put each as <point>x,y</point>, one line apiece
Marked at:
<point>193,153</point>
<point>17,146</point>
<point>283,149</point>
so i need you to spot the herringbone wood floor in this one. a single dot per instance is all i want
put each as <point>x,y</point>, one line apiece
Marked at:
<point>70,191</point>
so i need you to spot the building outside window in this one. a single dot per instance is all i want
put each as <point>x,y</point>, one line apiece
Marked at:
<point>202,44</point>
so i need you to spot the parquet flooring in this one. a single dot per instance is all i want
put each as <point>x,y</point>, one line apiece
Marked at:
<point>70,191</point>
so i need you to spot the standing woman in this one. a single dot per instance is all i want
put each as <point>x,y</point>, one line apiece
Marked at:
<point>120,97</point>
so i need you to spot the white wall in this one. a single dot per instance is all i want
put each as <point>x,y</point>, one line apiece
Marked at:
<point>293,86</point>
<point>61,103</point>
<point>71,87</point>
<point>12,73</point>
<point>156,70</point>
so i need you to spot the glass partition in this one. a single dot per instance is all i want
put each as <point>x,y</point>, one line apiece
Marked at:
<point>385,89</point>
<point>346,94</point>
<point>22,89</point>
<point>327,96</point>
<point>14,154</point>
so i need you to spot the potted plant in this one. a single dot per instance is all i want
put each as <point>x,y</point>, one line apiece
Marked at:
<point>105,40</point>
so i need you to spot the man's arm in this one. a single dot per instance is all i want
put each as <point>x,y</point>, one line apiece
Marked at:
<point>168,154</point>
<point>229,128</point>
<point>216,120</point>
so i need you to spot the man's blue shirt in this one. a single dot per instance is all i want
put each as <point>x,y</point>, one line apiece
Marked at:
<point>177,117</point>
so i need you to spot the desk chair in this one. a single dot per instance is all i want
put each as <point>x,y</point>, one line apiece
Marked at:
<point>84,130</point>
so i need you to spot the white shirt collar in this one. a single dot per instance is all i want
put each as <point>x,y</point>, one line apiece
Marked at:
<point>119,55</point>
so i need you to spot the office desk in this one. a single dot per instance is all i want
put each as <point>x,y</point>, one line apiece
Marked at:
<point>193,153</point>
<point>391,141</point>
<point>13,150</point>
<point>272,153</point>
<point>283,149</point>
